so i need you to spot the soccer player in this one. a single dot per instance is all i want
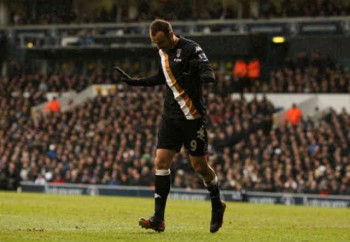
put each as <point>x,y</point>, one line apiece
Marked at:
<point>184,68</point>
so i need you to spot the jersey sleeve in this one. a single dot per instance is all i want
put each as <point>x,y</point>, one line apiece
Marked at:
<point>199,54</point>
<point>154,80</point>
<point>206,72</point>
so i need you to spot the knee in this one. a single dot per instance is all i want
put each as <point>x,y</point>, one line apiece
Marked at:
<point>161,164</point>
<point>200,167</point>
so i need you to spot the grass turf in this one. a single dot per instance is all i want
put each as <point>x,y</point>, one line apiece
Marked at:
<point>42,217</point>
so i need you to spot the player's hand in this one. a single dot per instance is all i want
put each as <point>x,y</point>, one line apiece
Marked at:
<point>202,69</point>
<point>194,66</point>
<point>124,77</point>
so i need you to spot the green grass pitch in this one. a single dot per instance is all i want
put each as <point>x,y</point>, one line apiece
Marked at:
<point>42,217</point>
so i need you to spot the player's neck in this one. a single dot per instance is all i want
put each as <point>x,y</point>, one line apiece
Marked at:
<point>175,40</point>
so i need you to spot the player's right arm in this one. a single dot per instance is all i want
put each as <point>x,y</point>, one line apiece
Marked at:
<point>154,80</point>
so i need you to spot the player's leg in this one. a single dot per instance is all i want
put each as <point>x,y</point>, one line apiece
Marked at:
<point>162,180</point>
<point>210,180</point>
<point>169,143</point>
<point>197,145</point>
<point>162,187</point>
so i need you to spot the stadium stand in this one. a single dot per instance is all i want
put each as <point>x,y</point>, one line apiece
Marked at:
<point>179,10</point>
<point>315,73</point>
<point>105,143</point>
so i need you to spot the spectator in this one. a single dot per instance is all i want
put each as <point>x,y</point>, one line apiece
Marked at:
<point>293,115</point>
<point>40,180</point>
<point>54,106</point>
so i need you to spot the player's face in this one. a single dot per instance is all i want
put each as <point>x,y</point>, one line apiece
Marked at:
<point>161,40</point>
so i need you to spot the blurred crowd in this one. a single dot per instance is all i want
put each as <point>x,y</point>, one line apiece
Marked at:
<point>303,8</point>
<point>145,10</point>
<point>111,140</point>
<point>308,73</point>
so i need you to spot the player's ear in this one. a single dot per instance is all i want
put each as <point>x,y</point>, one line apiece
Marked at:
<point>171,35</point>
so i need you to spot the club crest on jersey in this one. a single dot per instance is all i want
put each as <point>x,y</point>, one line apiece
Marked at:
<point>178,54</point>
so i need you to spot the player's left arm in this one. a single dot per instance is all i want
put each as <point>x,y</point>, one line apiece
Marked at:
<point>201,63</point>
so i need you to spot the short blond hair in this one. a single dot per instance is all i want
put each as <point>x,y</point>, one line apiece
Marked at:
<point>160,25</point>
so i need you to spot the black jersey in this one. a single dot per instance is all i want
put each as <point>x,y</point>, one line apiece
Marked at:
<point>183,98</point>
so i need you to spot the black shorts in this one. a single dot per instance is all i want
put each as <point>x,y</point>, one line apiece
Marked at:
<point>174,133</point>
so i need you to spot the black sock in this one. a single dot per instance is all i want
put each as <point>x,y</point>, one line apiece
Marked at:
<point>162,188</point>
<point>214,192</point>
